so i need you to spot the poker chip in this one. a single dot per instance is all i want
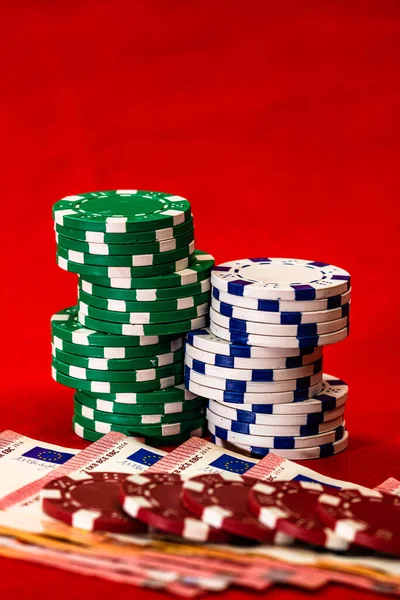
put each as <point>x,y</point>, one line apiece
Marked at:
<point>268,341</point>
<point>92,435</point>
<point>147,430</point>
<point>272,429</point>
<point>267,375</point>
<point>132,420</point>
<point>333,395</point>
<point>205,339</point>
<point>131,331</point>
<point>282,306</point>
<point>148,296</point>
<point>256,387</point>
<point>154,499</point>
<point>107,387</point>
<point>271,329</point>
<point>116,272</point>
<point>160,306</point>
<point>110,353</point>
<point>134,263</point>
<point>279,442</point>
<point>230,411</point>
<point>133,237</point>
<point>221,501</point>
<point>242,318</point>
<point>126,249</point>
<point>367,518</point>
<point>198,270</point>
<point>65,326</point>
<point>92,404</point>
<point>238,362</point>
<point>136,377</point>
<point>120,211</point>
<point>176,393</point>
<point>117,364</point>
<point>221,395</point>
<point>280,279</point>
<point>89,501</point>
<point>324,451</point>
<point>291,507</point>
<point>143,318</point>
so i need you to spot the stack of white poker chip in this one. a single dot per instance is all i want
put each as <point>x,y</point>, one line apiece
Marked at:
<point>260,363</point>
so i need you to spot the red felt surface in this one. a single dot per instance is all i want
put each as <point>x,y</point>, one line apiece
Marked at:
<point>278,120</point>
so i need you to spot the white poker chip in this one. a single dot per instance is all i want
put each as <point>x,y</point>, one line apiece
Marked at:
<point>298,331</point>
<point>279,442</point>
<point>272,430</point>
<point>254,374</point>
<point>269,341</point>
<point>323,451</point>
<point>279,318</point>
<point>282,306</point>
<point>237,362</point>
<point>334,394</point>
<point>232,385</point>
<point>280,279</point>
<point>205,339</point>
<point>256,418</point>
<point>241,398</point>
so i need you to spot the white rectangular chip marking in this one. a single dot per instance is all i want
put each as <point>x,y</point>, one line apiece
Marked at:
<point>215,515</point>
<point>84,519</point>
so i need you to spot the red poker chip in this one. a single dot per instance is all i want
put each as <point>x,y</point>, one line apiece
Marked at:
<point>89,501</point>
<point>290,507</point>
<point>366,517</point>
<point>154,498</point>
<point>221,501</point>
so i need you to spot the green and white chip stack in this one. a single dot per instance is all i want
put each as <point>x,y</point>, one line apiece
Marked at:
<point>141,287</point>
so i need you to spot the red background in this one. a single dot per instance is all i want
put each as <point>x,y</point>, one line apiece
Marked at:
<point>279,121</point>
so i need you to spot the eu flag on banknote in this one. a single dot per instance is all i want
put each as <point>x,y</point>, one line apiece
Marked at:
<point>232,464</point>
<point>144,457</point>
<point>48,455</point>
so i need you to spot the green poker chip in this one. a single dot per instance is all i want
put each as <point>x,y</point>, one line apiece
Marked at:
<point>134,237</point>
<point>105,364</point>
<point>127,408</point>
<point>155,352</point>
<point>146,297</point>
<point>174,440</point>
<point>107,387</point>
<point>172,328</point>
<point>134,420</point>
<point>143,318</point>
<point>159,430</point>
<point>136,377</point>
<point>121,272</point>
<point>65,326</point>
<point>176,305</point>
<point>140,261</point>
<point>121,250</point>
<point>170,394</point>
<point>120,211</point>
<point>199,269</point>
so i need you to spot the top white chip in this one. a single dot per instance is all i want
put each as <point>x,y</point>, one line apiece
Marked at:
<point>280,279</point>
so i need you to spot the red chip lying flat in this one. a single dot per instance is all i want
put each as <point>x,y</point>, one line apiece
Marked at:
<point>366,517</point>
<point>89,501</point>
<point>154,498</point>
<point>221,501</point>
<point>290,507</point>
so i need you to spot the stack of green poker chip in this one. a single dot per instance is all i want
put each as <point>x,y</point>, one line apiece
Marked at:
<point>142,287</point>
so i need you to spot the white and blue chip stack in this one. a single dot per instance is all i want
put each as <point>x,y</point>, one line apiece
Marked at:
<point>260,363</point>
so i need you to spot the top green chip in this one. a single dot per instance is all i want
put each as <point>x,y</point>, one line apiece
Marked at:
<point>121,211</point>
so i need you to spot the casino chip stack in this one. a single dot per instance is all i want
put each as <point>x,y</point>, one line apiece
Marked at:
<point>142,286</point>
<point>260,363</point>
